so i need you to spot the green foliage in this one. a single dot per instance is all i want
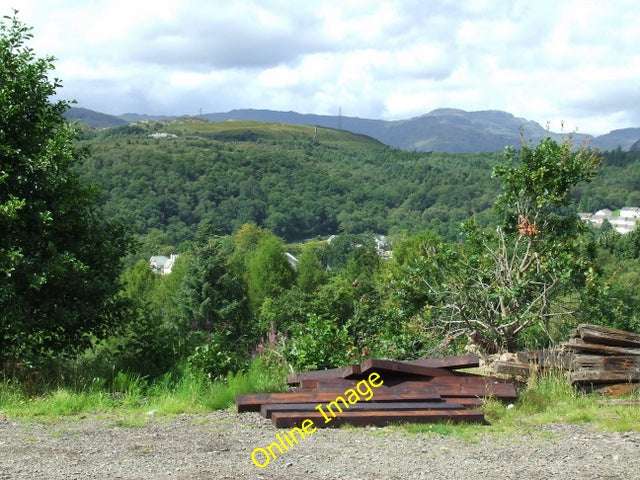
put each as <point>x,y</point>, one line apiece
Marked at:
<point>59,258</point>
<point>310,272</point>
<point>319,343</point>
<point>616,185</point>
<point>135,399</point>
<point>269,273</point>
<point>279,178</point>
<point>214,316</point>
<point>543,178</point>
<point>508,281</point>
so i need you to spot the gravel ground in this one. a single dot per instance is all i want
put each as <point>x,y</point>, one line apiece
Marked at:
<point>219,446</point>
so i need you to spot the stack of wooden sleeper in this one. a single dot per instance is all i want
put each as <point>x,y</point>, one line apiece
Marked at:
<point>429,390</point>
<point>605,358</point>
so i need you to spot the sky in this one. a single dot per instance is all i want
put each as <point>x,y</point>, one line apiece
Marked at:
<point>571,65</point>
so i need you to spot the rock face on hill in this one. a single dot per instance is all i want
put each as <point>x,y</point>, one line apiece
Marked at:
<point>635,147</point>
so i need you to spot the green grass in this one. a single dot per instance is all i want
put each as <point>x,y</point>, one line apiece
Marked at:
<point>133,400</point>
<point>545,399</point>
<point>551,399</point>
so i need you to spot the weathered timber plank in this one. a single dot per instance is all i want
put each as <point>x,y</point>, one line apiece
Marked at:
<point>466,402</point>
<point>355,371</point>
<point>613,390</point>
<point>512,368</point>
<point>581,377</point>
<point>605,369</point>
<point>390,368</point>
<point>579,345</point>
<point>268,409</point>
<point>452,362</point>
<point>457,379</point>
<point>501,391</point>
<point>607,336</point>
<point>607,362</point>
<point>554,358</point>
<point>295,419</point>
<point>252,402</point>
<point>342,372</point>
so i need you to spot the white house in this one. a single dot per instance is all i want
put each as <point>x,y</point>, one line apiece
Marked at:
<point>600,216</point>
<point>161,264</point>
<point>624,222</point>
<point>630,212</point>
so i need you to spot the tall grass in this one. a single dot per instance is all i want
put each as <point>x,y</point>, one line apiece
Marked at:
<point>550,398</point>
<point>184,391</point>
<point>133,400</point>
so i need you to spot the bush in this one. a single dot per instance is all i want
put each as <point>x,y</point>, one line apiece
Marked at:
<point>319,343</point>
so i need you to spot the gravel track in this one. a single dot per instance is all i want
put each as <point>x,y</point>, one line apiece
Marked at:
<point>219,445</point>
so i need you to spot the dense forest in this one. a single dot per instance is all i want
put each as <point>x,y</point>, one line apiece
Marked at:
<point>301,182</point>
<point>487,249</point>
<point>297,181</point>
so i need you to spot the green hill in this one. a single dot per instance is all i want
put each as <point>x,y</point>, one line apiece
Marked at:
<point>299,181</point>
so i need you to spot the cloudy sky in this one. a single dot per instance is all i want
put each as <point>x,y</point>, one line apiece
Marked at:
<point>576,61</point>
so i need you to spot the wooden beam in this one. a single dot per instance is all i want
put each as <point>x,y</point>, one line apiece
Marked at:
<point>390,368</point>
<point>605,369</point>
<point>607,336</point>
<point>553,358</point>
<point>500,390</point>
<point>452,362</point>
<point>253,401</point>
<point>294,378</point>
<point>359,418</point>
<point>464,379</point>
<point>268,409</point>
<point>579,345</point>
<point>613,390</point>
<point>512,368</point>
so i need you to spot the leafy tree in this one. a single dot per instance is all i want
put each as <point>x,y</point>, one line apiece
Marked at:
<point>214,312</point>
<point>509,280</point>
<point>59,258</point>
<point>269,273</point>
<point>319,342</point>
<point>310,272</point>
<point>419,263</point>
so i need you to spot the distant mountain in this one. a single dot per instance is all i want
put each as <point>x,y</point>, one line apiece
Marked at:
<point>457,131</point>
<point>625,138</point>
<point>94,119</point>
<point>445,130</point>
<point>137,117</point>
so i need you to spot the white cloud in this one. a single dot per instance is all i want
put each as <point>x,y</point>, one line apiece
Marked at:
<point>545,61</point>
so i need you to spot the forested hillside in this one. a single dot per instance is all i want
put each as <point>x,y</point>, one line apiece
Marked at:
<point>298,181</point>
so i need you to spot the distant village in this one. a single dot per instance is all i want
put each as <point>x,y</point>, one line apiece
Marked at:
<point>623,221</point>
<point>163,265</point>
